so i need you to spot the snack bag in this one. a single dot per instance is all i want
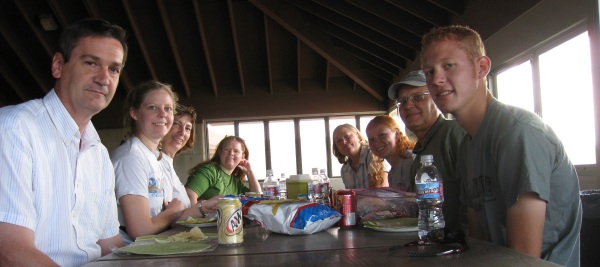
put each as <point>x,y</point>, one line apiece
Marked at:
<point>292,217</point>
<point>385,203</point>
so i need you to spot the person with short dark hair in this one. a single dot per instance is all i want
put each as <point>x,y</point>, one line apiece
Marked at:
<point>56,179</point>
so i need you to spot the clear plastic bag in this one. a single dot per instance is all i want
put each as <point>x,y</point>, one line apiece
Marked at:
<point>385,203</point>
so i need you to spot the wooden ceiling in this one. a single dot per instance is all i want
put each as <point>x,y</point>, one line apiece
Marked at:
<point>246,58</point>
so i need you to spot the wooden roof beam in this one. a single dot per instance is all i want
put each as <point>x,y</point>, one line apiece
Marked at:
<point>138,35</point>
<point>269,58</point>
<point>394,15</point>
<point>292,21</point>
<point>33,25</point>
<point>402,36</point>
<point>211,68</point>
<point>236,45</point>
<point>378,50</point>
<point>358,30</point>
<point>26,58</point>
<point>171,36</point>
<point>424,10</point>
<point>457,7</point>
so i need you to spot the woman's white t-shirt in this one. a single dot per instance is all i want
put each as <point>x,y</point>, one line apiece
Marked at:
<point>138,172</point>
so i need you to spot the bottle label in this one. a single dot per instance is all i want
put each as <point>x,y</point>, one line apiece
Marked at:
<point>429,190</point>
<point>271,191</point>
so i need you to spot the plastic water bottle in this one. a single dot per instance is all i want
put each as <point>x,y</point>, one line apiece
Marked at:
<point>325,188</point>
<point>430,197</point>
<point>314,187</point>
<point>271,186</point>
<point>282,187</point>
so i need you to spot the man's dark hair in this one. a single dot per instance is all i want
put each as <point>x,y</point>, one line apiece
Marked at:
<point>90,27</point>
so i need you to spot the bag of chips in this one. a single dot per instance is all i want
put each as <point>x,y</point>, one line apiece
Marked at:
<point>291,217</point>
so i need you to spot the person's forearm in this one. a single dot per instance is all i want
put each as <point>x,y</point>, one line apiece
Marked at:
<point>17,247</point>
<point>525,223</point>
<point>105,244</point>
<point>24,257</point>
<point>156,225</point>
<point>192,211</point>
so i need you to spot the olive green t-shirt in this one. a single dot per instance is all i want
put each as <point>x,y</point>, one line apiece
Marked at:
<point>210,180</point>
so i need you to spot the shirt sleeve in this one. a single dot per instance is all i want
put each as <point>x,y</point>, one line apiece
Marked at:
<point>525,160</point>
<point>132,173</point>
<point>16,172</point>
<point>199,180</point>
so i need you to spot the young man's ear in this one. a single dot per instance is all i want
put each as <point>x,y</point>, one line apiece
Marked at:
<point>484,64</point>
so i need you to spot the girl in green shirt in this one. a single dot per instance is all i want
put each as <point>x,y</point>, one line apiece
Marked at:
<point>224,174</point>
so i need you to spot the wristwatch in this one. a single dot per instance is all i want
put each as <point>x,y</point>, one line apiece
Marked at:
<point>200,208</point>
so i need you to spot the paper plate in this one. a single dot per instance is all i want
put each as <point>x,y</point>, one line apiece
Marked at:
<point>166,249</point>
<point>394,230</point>
<point>191,225</point>
<point>200,222</point>
<point>393,225</point>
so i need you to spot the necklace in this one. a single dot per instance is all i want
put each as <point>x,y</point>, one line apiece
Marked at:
<point>225,186</point>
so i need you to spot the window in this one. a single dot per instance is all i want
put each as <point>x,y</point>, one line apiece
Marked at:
<point>566,90</point>
<point>253,134</point>
<point>215,133</point>
<point>517,86</point>
<point>313,144</point>
<point>277,146</point>
<point>283,147</point>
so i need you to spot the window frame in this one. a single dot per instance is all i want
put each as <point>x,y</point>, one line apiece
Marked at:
<point>265,120</point>
<point>533,55</point>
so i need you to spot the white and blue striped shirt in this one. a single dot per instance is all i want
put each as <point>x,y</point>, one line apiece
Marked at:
<point>55,181</point>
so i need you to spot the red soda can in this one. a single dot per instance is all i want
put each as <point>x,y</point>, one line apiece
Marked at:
<point>346,205</point>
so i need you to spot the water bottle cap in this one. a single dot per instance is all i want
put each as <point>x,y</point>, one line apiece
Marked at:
<point>427,158</point>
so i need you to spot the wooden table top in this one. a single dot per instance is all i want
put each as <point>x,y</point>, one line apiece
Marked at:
<point>336,246</point>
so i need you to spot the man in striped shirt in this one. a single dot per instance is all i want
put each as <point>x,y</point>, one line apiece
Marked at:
<point>56,178</point>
